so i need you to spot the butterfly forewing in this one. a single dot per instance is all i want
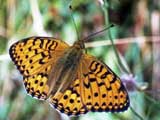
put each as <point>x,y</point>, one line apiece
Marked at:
<point>32,53</point>
<point>34,58</point>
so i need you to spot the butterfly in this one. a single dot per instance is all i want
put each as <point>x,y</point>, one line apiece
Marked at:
<point>72,81</point>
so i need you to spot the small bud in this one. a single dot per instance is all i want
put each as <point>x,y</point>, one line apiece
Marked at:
<point>129,82</point>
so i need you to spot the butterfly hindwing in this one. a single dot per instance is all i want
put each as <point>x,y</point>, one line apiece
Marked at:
<point>34,58</point>
<point>69,102</point>
<point>36,85</point>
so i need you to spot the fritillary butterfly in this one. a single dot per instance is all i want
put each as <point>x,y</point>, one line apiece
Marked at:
<point>72,81</point>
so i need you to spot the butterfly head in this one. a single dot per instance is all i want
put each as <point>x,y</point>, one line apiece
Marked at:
<point>79,44</point>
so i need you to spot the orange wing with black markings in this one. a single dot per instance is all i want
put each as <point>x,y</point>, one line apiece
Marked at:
<point>96,88</point>
<point>34,58</point>
<point>102,89</point>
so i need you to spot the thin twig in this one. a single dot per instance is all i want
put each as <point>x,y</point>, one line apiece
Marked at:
<point>100,43</point>
<point>123,41</point>
<point>110,38</point>
<point>116,52</point>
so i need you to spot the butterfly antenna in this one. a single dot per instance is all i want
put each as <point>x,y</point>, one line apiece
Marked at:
<point>96,33</point>
<point>74,22</point>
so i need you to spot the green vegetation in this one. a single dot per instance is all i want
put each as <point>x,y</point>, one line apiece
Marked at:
<point>134,56</point>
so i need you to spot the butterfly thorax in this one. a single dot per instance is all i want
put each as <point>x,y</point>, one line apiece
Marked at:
<point>65,69</point>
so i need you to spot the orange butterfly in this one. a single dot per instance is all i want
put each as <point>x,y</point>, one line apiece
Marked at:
<point>71,80</point>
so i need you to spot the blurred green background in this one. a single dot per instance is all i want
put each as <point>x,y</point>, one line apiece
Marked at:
<point>136,59</point>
